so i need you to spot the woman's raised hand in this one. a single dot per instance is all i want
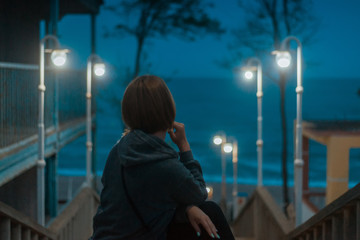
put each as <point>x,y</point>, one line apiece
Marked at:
<point>179,137</point>
<point>197,217</point>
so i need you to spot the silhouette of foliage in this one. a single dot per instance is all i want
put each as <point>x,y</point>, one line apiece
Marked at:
<point>147,19</point>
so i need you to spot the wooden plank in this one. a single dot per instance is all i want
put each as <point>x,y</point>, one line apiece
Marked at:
<point>5,228</point>
<point>336,226</point>
<point>326,230</point>
<point>316,233</point>
<point>15,231</point>
<point>275,210</point>
<point>9,213</point>
<point>26,234</point>
<point>350,223</point>
<point>78,209</point>
<point>346,224</point>
<point>35,236</point>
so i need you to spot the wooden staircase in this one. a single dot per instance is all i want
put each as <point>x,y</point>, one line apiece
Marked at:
<point>340,220</point>
<point>261,219</point>
<point>74,222</point>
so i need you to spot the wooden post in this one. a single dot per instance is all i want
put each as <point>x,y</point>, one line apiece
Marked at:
<point>5,229</point>
<point>306,165</point>
<point>26,234</point>
<point>15,231</point>
<point>337,169</point>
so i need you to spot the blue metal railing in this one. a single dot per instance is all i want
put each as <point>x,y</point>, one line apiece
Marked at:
<point>19,100</point>
<point>72,92</point>
<point>18,103</point>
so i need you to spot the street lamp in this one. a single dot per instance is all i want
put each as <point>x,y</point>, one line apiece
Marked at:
<point>228,147</point>
<point>248,74</point>
<point>283,59</point>
<point>99,69</point>
<point>217,140</point>
<point>235,176</point>
<point>58,57</point>
<point>221,140</point>
<point>259,94</point>
<point>94,63</point>
<point>233,148</point>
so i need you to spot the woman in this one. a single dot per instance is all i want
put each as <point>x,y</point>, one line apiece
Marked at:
<point>150,191</point>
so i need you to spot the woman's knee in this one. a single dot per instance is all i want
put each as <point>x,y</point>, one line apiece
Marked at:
<point>211,208</point>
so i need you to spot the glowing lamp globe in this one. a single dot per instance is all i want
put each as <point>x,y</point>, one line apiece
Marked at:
<point>228,147</point>
<point>249,75</point>
<point>283,59</point>
<point>58,57</point>
<point>99,69</point>
<point>217,140</point>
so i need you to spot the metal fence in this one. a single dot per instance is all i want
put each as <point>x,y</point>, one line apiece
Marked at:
<point>19,100</point>
<point>72,95</point>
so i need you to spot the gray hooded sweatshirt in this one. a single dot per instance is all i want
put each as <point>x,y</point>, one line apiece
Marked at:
<point>159,183</point>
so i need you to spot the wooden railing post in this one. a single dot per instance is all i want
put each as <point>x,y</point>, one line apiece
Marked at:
<point>5,228</point>
<point>26,234</point>
<point>326,230</point>
<point>335,227</point>
<point>35,237</point>
<point>15,231</point>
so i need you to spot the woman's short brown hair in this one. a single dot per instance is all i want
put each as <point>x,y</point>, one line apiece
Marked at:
<point>148,105</point>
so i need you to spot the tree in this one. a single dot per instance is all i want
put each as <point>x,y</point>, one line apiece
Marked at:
<point>147,19</point>
<point>266,23</point>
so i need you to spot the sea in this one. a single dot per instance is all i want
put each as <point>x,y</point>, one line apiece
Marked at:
<point>209,106</point>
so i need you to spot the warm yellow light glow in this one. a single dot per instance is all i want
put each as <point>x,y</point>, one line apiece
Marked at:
<point>283,59</point>
<point>99,69</point>
<point>58,57</point>
<point>210,192</point>
<point>228,147</point>
<point>249,75</point>
<point>217,140</point>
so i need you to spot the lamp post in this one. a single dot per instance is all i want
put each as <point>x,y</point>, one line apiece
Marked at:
<point>235,176</point>
<point>99,69</point>
<point>221,140</point>
<point>283,59</point>
<point>259,94</point>
<point>58,57</point>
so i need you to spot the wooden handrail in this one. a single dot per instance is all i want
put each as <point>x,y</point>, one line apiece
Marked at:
<point>75,221</point>
<point>328,219</point>
<point>15,217</point>
<point>280,218</point>
<point>261,218</point>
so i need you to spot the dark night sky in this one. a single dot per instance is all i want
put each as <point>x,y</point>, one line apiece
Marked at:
<point>334,54</point>
<point>203,104</point>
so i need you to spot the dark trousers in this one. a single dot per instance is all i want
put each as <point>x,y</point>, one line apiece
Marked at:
<point>181,231</point>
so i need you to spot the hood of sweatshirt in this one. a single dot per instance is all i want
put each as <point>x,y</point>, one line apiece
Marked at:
<point>138,147</point>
